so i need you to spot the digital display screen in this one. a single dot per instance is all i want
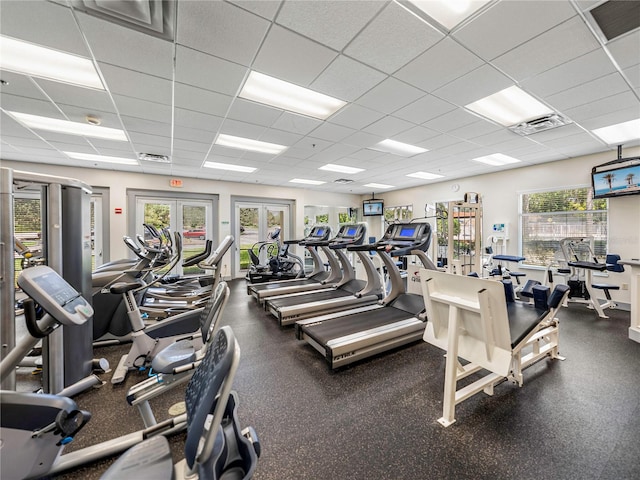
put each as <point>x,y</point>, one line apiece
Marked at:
<point>372,208</point>
<point>58,289</point>
<point>351,231</point>
<point>618,181</point>
<point>407,232</point>
<point>319,232</point>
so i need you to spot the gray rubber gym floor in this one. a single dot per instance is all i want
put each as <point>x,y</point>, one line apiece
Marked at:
<point>577,419</point>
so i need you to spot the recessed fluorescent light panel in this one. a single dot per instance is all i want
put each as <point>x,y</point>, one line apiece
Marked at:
<point>509,107</point>
<point>425,175</point>
<point>449,13</point>
<point>70,128</point>
<point>228,166</point>
<point>248,144</point>
<point>619,133</point>
<point>398,148</point>
<point>101,158</point>
<point>340,168</point>
<point>496,159</point>
<point>29,59</point>
<point>278,93</point>
<point>306,182</point>
<point>377,185</point>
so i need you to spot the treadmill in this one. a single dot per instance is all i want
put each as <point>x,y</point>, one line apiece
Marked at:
<point>317,233</point>
<point>397,320</point>
<point>327,281</point>
<point>348,293</point>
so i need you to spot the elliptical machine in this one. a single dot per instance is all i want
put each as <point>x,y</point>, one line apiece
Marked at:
<point>281,264</point>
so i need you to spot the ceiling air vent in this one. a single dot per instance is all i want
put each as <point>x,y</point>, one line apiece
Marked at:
<point>153,17</point>
<point>541,124</point>
<point>153,157</point>
<point>343,181</point>
<point>615,17</point>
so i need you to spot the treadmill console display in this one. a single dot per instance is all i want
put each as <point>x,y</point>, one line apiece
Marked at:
<point>407,232</point>
<point>351,232</point>
<point>319,232</point>
<point>55,295</point>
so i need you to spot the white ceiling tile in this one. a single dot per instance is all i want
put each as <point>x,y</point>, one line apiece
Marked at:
<point>439,65</point>
<point>20,85</point>
<point>599,119</point>
<point>241,129</point>
<point>135,84</point>
<point>632,74</point>
<point>563,43</point>
<point>31,141</point>
<point>415,135</point>
<point>32,21</point>
<point>155,149</point>
<point>190,146</point>
<point>451,120</point>
<point>474,130</point>
<point>355,116</point>
<point>251,112</point>
<point>139,139</point>
<point>502,138</point>
<point>264,8</point>
<point>280,137</point>
<point>626,49</point>
<point>506,25</point>
<point>424,109</point>
<point>187,156</point>
<point>208,72</point>
<point>191,119</point>
<point>587,67</point>
<point>392,39</point>
<point>388,126</point>
<point>218,150</point>
<point>204,101</point>
<point>588,92</point>
<point>110,147</point>
<point>220,29</point>
<point>621,101</point>
<point>441,141</point>
<point>332,23</point>
<point>194,135</point>
<point>294,123</point>
<point>140,125</point>
<point>477,84</point>
<point>288,56</point>
<point>347,79</point>
<point>79,114</point>
<point>365,154</point>
<point>556,133</point>
<point>390,96</point>
<point>134,107</point>
<point>63,138</point>
<point>362,139</point>
<point>62,93</point>
<point>332,132</point>
<point>14,103</point>
<point>111,43</point>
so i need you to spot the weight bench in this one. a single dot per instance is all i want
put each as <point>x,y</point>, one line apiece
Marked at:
<point>611,265</point>
<point>472,319</point>
<point>505,272</point>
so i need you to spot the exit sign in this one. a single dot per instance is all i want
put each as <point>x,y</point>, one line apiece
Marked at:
<point>175,182</point>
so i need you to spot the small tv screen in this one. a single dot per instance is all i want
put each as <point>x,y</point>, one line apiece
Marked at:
<point>617,181</point>
<point>371,208</point>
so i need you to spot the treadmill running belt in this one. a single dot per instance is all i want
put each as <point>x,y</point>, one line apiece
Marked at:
<point>270,286</point>
<point>309,297</point>
<point>347,325</point>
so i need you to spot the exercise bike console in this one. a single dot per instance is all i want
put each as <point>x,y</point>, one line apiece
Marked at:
<point>55,295</point>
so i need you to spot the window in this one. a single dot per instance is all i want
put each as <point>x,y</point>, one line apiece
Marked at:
<point>548,217</point>
<point>403,213</point>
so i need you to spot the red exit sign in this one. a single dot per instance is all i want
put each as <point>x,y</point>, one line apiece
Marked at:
<point>175,182</point>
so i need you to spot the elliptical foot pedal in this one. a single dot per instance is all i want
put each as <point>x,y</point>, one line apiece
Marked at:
<point>120,372</point>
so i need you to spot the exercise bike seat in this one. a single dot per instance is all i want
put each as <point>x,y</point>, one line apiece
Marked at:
<point>175,355</point>
<point>148,460</point>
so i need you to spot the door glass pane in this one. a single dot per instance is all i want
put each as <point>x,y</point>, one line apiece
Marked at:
<point>194,233</point>
<point>249,233</point>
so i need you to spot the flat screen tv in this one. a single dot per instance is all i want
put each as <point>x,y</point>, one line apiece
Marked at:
<point>616,179</point>
<point>372,208</point>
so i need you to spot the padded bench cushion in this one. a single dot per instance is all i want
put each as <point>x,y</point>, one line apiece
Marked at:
<point>523,319</point>
<point>605,286</point>
<point>517,274</point>
<point>509,258</point>
<point>588,265</point>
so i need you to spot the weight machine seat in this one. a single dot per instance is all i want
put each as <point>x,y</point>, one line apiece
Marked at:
<point>517,274</point>
<point>600,267</point>
<point>605,286</point>
<point>612,263</point>
<point>564,271</point>
<point>527,290</point>
<point>509,258</point>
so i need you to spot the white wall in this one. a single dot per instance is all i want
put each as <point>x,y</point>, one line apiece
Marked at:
<point>500,195</point>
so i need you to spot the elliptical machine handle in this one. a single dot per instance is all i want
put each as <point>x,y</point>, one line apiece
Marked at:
<point>31,319</point>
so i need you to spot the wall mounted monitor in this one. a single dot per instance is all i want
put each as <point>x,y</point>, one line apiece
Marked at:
<point>617,179</point>
<point>372,208</point>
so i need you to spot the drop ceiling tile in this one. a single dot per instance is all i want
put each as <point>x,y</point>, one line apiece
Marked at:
<point>54,137</point>
<point>12,128</point>
<point>187,157</point>
<point>477,84</point>
<point>392,39</point>
<point>14,103</point>
<point>151,148</point>
<point>32,21</point>
<point>459,148</point>
<point>135,84</point>
<point>79,147</point>
<point>251,112</point>
<point>199,100</point>
<point>556,133</point>
<point>612,104</point>
<point>264,8</point>
<point>299,153</point>
<point>294,123</point>
<point>134,107</point>
<point>389,96</point>
<point>366,155</point>
<point>190,146</point>
<point>79,114</point>
<point>362,139</point>
<point>194,135</point>
<point>20,85</point>
<point>149,140</point>
<point>347,79</point>
<point>220,29</point>
<point>201,121</point>
<point>439,65</point>
<point>500,138</point>
<point>416,135</point>
<point>424,109</point>
<point>335,152</point>
<point>451,120</point>
<point>626,49</point>
<point>109,147</point>
<point>208,72</point>
<point>31,141</point>
<point>388,126</point>
<point>561,44</point>
<point>441,141</point>
<point>355,116</point>
<point>580,70</point>
<point>124,47</point>
<point>588,92</point>
<point>288,56</point>
<point>476,129</point>
<point>280,137</point>
<point>89,99</point>
<point>241,129</point>
<point>506,25</point>
<point>141,125</point>
<point>332,23</point>
<point>602,119</point>
<point>218,150</point>
<point>332,132</point>
<point>632,74</point>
